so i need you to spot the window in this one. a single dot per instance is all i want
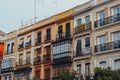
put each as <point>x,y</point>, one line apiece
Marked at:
<point>101,17</point>
<point>67,29</point>
<point>38,51</point>
<point>8,48</point>
<point>48,50</point>
<point>116,40</point>
<point>21,59</point>
<point>87,42</point>
<point>39,37</point>
<point>78,48</point>
<point>48,34</point>
<point>116,10</point>
<point>47,74</point>
<point>102,39</point>
<point>87,20</point>
<point>116,36</point>
<point>37,74</point>
<point>117,64</point>
<point>79,24</point>
<point>79,70</point>
<point>60,32</point>
<point>12,47</point>
<point>103,65</point>
<point>10,78</point>
<point>5,78</point>
<point>87,71</point>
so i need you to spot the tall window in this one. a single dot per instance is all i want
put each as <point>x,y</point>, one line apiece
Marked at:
<point>102,39</point>
<point>78,48</point>
<point>8,48</point>
<point>87,20</point>
<point>10,78</point>
<point>68,29</point>
<point>21,59</point>
<point>101,17</point>
<point>79,24</point>
<point>103,65</point>
<point>117,64</point>
<point>116,12</point>
<point>116,40</point>
<point>47,74</point>
<point>12,47</point>
<point>5,78</point>
<point>87,71</point>
<point>48,34</point>
<point>87,45</point>
<point>37,74</point>
<point>39,37</point>
<point>38,51</point>
<point>60,32</point>
<point>79,70</point>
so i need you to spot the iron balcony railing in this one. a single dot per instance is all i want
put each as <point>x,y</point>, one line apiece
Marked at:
<point>37,60</point>
<point>47,57</point>
<point>108,20</point>
<point>21,45</point>
<point>37,41</point>
<point>28,44</point>
<point>47,37</point>
<point>82,28</point>
<point>63,35</point>
<point>83,52</point>
<point>9,51</point>
<point>107,46</point>
<point>23,62</point>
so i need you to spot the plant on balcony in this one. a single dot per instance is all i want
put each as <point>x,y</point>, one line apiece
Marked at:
<point>68,75</point>
<point>106,74</point>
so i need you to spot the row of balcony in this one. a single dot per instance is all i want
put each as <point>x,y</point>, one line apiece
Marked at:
<point>27,44</point>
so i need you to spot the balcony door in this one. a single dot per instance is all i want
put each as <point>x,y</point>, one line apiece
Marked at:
<point>87,71</point>
<point>79,48</point>
<point>67,29</point>
<point>87,20</point>
<point>39,37</point>
<point>48,34</point>
<point>116,13</point>
<point>101,43</point>
<point>79,24</point>
<point>60,31</point>
<point>101,18</point>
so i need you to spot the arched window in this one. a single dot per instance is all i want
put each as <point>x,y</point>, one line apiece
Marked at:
<point>103,64</point>
<point>117,64</point>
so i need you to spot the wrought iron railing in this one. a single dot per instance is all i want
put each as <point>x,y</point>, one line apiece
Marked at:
<point>28,44</point>
<point>37,41</point>
<point>23,62</point>
<point>107,20</point>
<point>47,37</point>
<point>37,60</point>
<point>82,28</point>
<point>83,52</point>
<point>107,46</point>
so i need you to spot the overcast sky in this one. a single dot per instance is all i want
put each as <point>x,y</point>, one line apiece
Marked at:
<point>12,12</point>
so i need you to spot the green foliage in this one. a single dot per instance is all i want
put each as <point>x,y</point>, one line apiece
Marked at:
<point>35,78</point>
<point>106,74</point>
<point>68,75</point>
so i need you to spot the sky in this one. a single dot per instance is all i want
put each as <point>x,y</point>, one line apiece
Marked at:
<point>13,12</point>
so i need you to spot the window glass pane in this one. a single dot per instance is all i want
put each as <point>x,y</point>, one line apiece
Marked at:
<point>103,64</point>
<point>117,64</point>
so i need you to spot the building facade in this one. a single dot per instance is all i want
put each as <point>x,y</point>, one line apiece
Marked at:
<point>107,34</point>
<point>10,48</point>
<point>44,35</point>
<point>79,39</point>
<point>62,45</point>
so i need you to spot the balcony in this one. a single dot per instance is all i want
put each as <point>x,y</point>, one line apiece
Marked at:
<point>111,46</point>
<point>23,63</point>
<point>105,21</point>
<point>62,58</point>
<point>9,51</point>
<point>47,58</point>
<point>37,42</point>
<point>83,53</point>
<point>21,46</point>
<point>37,61</point>
<point>27,44</point>
<point>47,38</point>
<point>82,28</point>
<point>63,35</point>
<point>10,69</point>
